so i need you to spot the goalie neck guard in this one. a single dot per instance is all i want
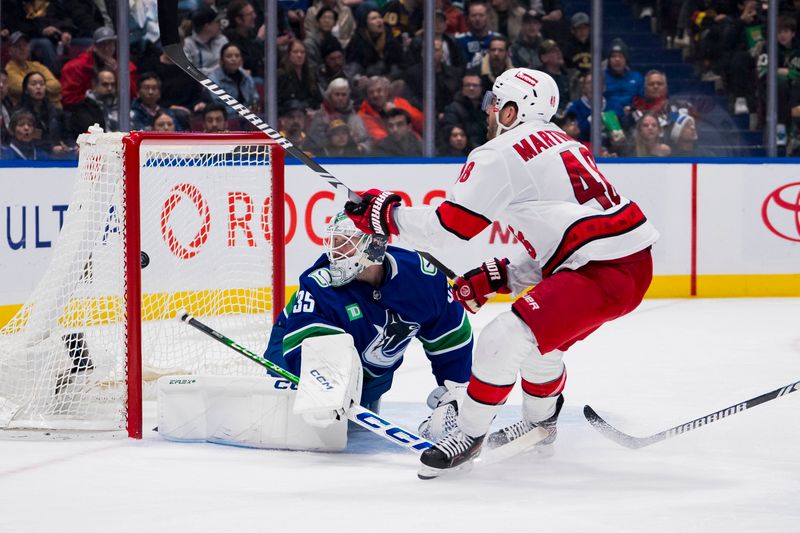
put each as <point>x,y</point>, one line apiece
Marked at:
<point>534,92</point>
<point>349,250</point>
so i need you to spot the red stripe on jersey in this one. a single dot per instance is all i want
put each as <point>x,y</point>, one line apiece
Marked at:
<point>543,390</point>
<point>486,393</point>
<point>592,228</point>
<point>460,221</point>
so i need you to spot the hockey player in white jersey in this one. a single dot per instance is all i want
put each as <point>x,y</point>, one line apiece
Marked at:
<point>587,251</point>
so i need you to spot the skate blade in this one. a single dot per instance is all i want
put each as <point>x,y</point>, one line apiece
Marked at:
<point>428,472</point>
<point>515,447</point>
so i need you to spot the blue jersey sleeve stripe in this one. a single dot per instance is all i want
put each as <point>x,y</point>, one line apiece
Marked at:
<point>450,348</point>
<point>450,340</point>
<point>447,333</point>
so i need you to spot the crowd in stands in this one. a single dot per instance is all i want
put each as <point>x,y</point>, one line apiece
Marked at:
<point>350,75</point>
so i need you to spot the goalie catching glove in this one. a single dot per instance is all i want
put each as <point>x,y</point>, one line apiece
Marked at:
<point>373,215</point>
<point>445,401</point>
<point>474,288</point>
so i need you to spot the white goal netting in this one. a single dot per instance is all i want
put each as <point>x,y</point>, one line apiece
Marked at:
<point>205,221</point>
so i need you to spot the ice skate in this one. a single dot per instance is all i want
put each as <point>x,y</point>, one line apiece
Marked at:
<point>454,452</point>
<point>522,428</point>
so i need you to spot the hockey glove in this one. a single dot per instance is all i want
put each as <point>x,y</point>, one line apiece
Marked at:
<point>374,214</point>
<point>474,288</point>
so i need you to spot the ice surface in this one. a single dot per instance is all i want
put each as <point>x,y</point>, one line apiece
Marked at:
<point>668,362</point>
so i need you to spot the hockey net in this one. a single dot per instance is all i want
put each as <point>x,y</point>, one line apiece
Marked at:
<point>157,223</point>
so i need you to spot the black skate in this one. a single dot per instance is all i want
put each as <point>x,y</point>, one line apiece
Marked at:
<point>519,429</point>
<point>453,452</point>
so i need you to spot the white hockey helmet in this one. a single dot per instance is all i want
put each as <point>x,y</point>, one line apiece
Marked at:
<point>349,250</point>
<point>534,92</point>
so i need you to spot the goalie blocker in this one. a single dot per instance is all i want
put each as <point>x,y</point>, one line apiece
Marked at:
<point>268,412</point>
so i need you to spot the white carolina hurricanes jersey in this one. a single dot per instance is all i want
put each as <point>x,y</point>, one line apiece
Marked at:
<point>547,188</point>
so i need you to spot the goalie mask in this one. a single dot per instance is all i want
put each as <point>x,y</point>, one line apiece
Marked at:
<point>534,92</point>
<point>349,250</point>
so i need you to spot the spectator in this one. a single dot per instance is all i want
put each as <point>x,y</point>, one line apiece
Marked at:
<point>456,22</point>
<point>76,76</point>
<point>379,102</point>
<point>465,110</point>
<point>326,20</point>
<point>345,23</point>
<point>401,141</point>
<point>553,64</point>
<point>788,71</point>
<point>495,62</point>
<point>684,136</point>
<point>474,42</point>
<point>373,50</point>
<point>99,106</point>
<point>647,138</point>
<point>338,105</point>
<point>332,63</point>
<point>48,121</point>
<point>163,121</point>
<point>296,78</point>
<point>47,26</point>
<point>182,91</point>
<point>505,18</point>
<point>455,142</point>
<point>143,33</point>
<point>451,51</point>
<point>582,107</point>
<point>656,99</point>
<point>20,64</point>
<point>232,78</point>
<point>21,145</point>
<point>214,119</point>
<point>6,108</point>
<point>146,105</point>
<point>203,47</point>
<point>622,83</point>
<point>403,18</point>
<point>242,32</point>
<point>87,17</point>
<point>552,23</point>
<point>525,50</point>
<point>292,120</point>
<point>578,48</point>
<point>338,141</point>
<point>447,81</point>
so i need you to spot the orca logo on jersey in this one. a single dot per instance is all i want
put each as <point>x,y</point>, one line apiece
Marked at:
<point>781,212</point>
<point>391,341</point>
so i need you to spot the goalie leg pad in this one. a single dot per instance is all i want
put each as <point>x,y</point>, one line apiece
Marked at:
<point>250,411</point>
<point>330,379</point>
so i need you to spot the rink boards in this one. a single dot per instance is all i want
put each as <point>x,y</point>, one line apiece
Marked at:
<point>727,229</point>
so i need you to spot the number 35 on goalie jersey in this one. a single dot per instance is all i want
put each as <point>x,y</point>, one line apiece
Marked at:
<point>548,189</point>
<point>413,301</point>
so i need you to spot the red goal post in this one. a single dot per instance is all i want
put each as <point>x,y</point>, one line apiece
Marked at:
<point>157,223</point>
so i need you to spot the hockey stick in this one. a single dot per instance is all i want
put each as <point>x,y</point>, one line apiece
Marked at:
<point>170,41</point>
<point>361,416</point>
<point>629,441</point>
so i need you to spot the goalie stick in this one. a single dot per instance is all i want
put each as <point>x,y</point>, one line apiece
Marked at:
<point>629,441</point>
<point>170,41</point>
<point>358,414</point>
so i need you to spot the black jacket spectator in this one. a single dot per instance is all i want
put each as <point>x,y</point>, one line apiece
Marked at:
<point>468,115</point>
<point>48,121</point>
<point>373,49</point>
<point>296,77</point>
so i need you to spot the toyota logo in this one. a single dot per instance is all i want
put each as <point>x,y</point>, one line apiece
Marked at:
<point>781,212</point>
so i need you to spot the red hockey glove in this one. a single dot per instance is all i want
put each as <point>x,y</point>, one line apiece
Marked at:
<point>474,288</point>
<point>374,214</point>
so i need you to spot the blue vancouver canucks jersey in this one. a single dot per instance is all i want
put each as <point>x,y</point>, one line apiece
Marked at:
<point>414,300</point>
